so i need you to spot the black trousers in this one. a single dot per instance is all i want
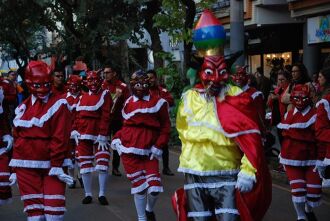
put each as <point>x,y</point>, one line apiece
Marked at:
<point>114,127</point>
<point>165,157</point>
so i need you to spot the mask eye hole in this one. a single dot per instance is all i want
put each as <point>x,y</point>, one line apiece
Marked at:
<point>224,71</point>
<point>145,85</point>
<point>47,84</point>
<point>137,85</point>
<point>208,71</point>
<point>36,85</point>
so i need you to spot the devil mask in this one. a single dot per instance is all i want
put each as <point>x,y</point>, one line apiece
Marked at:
<point>38,79</point>
<point>74,84</point>
<point>300,96</point>
<point>241,77</point>
<point>140,84</point>
<point>94,81</point>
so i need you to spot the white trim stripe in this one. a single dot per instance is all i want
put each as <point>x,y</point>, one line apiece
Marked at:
<point>38,122</point>
<point>55,209</point>
<point>130,175</point>
<point>95,107</point>
<point>200,214</point>
<point>297,162</point>
<point>103,152</point>
<point>298,190</point>
<point>298,125</point>
<point>140,188</point>
<point>32,196</point>
<point>226,210</point>
<point>310,195</point>
<point>326,106</point>
<point>208,173</point>
<point>153,109</point>
<point>314,186</point>
<point>33,206</point>
<point>4,174</point>
<point>297,181</point>
<point>4,183</point>
<point>54,197</point>
<point>208,185</point>
<point>256,94</point>
<point>155,189</point>
<point>117,145</point>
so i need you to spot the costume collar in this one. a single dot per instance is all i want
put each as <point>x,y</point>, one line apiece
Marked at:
<point>146,98</point>
<point>304,112</point>
<point>68,94</point>
<point>34,99</point>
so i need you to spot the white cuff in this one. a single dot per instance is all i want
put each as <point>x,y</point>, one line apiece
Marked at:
<point>156,151</point>
<point>54,171</point>
<point>102,138</point>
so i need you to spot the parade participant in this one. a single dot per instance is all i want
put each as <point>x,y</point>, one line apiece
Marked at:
<point>241,78</point>
<point>40,147</point>
<point>322,124</point>
<point>226,175</point>
<point>299,153</point>
<point>74,90</point>
<point>6,142</point>
<point>140,141</point>
<point>92,130</point>
<point>119,93</point>
<point>157,90</point>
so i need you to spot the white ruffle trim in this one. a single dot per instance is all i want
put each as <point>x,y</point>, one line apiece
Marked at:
<point>298,125</point>
<point>95,107</point>
<point>208,173</point>
<point>226,210</point>
<point>153,109</point>
<point>38,122</point>
<point>326,106</point>
<point>301,163</point>
<point>200,214</point>
<point>208,185</point>
<point>117,145</point>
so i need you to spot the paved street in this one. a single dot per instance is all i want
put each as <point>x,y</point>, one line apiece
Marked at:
<point>121,206</point>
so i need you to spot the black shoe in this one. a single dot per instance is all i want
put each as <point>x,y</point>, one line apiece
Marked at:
<point>168,172</point>
<point>103,201</point>
<point>81,182</point>
<point>73,185</point>
<point>310,216</point>
<point>116,172</point>
<point>87,200</point>
<point>150,216</point>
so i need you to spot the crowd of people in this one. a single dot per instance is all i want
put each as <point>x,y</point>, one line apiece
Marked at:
<point>221,123</point>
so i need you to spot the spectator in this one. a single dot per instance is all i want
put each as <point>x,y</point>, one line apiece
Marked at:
<point>299,76</point>
<point>58,86</point>
<point>263,83</point>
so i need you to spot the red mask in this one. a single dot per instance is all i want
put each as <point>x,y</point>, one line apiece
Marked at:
<point>38,79</point>
<point>300,96</point>
<point>74,84</point>
<point>241,77</point>
<point>213,74</point>
<point>94,81</point>
<point>140,84</point>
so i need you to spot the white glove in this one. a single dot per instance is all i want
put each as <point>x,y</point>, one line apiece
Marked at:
<point>244,182</point>
<point>75,135</point>
<point>152,156</point>
<point>155,153</point>
<point>9,139</point>
<point>58,171</point>
<point>103,143</point>
<point>12,179</point>
<point>320,168</point>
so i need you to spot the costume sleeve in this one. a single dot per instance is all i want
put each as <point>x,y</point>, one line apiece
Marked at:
<point>105,115</point>
<point>165,127</point>
<point>246,167</point>
<point>60,134</point>
<point>322,130</point>
<point>165,94</point>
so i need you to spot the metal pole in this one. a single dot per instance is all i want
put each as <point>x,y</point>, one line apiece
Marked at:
<point>237,29</point>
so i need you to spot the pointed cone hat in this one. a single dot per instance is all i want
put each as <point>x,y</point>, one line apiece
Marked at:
<point>209,35</point>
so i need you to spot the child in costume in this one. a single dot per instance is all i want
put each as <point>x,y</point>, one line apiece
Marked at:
<point>92,129</point>
<point>299,153</point>
<point>40,147</point>
<point>226,176</point>
<point>140,141</point>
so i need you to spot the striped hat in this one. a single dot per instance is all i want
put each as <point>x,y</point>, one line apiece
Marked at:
<point>209,35</point>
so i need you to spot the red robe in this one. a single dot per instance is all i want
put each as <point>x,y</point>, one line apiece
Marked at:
<point>236,118</point>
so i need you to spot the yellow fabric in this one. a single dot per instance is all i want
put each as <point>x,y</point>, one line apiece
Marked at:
<point>205,149</point>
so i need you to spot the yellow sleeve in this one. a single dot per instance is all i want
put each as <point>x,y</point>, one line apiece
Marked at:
<point>246,167</point>
<point>181,119</point>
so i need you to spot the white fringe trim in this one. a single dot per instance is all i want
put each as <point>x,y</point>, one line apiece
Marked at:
<point>200,214</point>
<point>95,107</point>
<point>326,106</point>
<point>153,109</point>
<point>208,185</point>
<point>30,163</point>
<point>117,145</point>
<point>140,188</point>
<point>208,173</point>
<point>226,210</point>
<point>298,125</point>
<point>301,163</point>
<point>38,122</point>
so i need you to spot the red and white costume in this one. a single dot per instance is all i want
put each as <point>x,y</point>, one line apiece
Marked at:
<point>145,131</point>
<point>41,138</point>
<point>92,124</point>
<point>163,93</point>
<point>322,127</point>
<point>299,155</point>
<point>5,190</point>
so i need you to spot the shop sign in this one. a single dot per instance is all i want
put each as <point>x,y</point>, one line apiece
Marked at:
<point>318,29</point>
